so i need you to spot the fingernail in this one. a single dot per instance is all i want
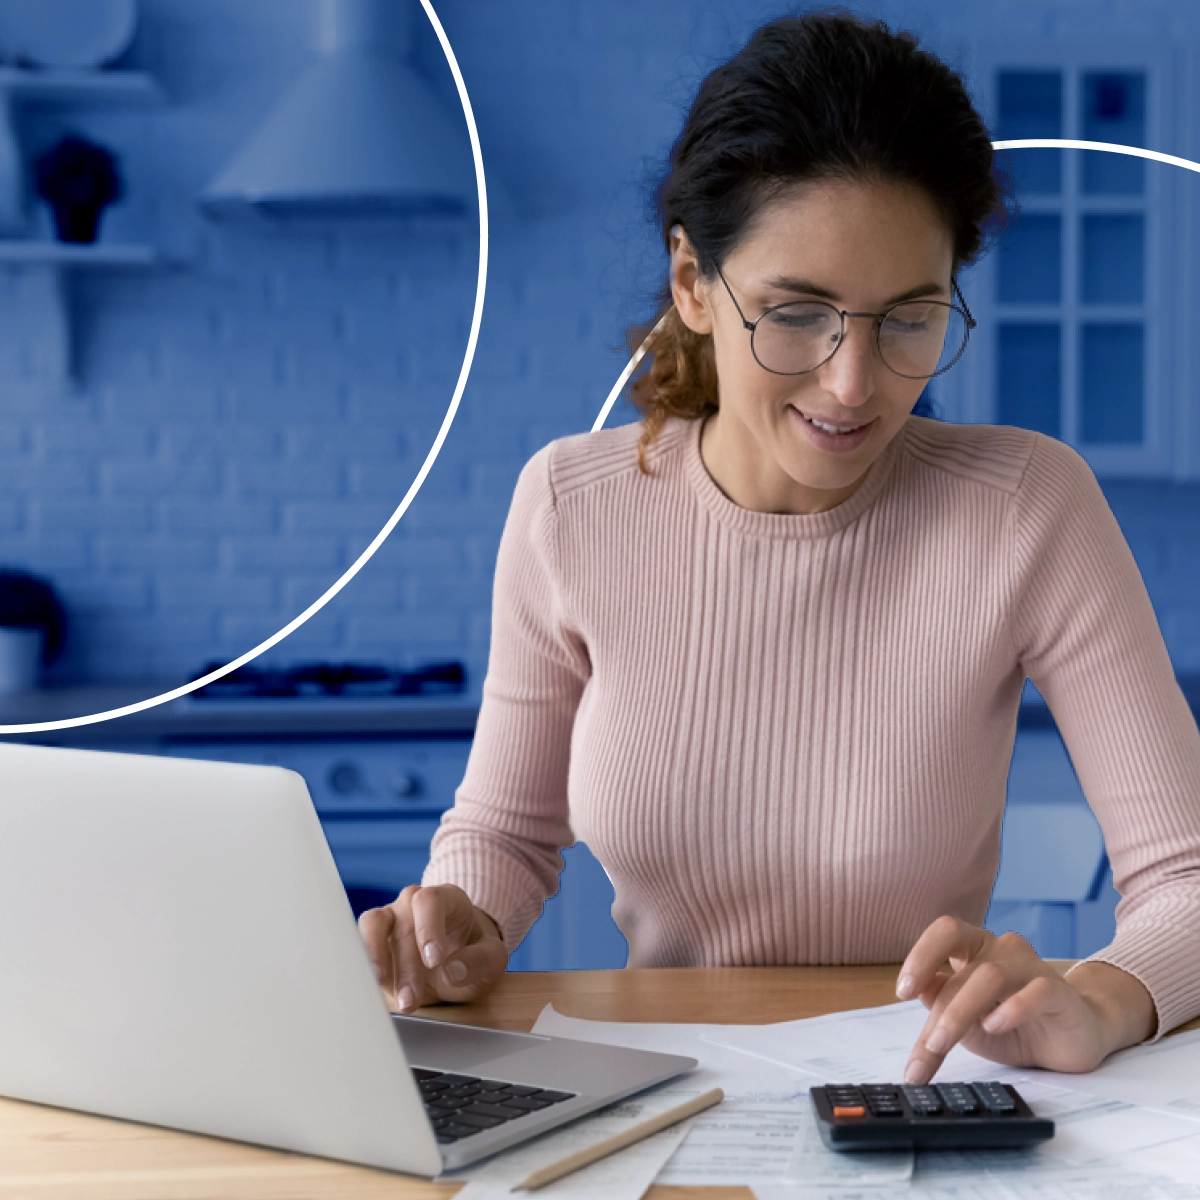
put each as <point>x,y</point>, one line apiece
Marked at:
<point>993,1022</point>
<point>913,1073</point>
<point>935,1043</point>
<point>904,988</point>
<point>405,999</point>
<point>456,972</point>
<point>429,954</point>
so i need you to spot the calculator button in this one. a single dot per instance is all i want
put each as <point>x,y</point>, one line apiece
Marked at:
<point>923,1100</point>
<point>849,1110</point>
<point>995,1097</point>
<point>959,1098</point>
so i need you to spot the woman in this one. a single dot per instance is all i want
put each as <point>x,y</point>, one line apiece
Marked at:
<point>766,649</point>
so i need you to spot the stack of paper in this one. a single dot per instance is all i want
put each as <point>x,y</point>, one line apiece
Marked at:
<point>1128,1131</point>
<point>1132,1127</point>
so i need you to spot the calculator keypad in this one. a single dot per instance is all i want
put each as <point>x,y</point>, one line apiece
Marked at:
<point>883,1115</point>
<point>925,1100</point>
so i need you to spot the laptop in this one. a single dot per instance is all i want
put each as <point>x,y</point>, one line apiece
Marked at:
<point>178,950</point>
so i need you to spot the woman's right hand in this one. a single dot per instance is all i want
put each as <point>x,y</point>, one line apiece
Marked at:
<point>432,944</point>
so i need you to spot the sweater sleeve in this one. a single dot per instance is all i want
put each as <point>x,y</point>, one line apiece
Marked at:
<point>501,840</point>
<point>1086,633</point>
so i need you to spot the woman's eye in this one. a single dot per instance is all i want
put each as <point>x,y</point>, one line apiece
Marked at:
<point>800,320</point>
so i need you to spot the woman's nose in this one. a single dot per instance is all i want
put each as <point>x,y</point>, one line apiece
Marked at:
<point>850,373</point>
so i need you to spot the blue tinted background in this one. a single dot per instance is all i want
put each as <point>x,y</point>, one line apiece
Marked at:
<point>249,412</point>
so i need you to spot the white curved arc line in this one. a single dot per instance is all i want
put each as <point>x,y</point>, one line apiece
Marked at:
<point>1171,160</point>
<point>630,367</point>
<point>430,458</point>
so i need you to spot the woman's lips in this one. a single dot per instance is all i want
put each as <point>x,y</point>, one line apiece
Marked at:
<point>834,443</point>
<point>836,424</point>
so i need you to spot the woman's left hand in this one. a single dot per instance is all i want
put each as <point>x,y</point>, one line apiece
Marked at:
<point>1002,1002</point>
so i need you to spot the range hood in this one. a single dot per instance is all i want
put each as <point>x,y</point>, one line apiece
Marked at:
<point>360,131</point>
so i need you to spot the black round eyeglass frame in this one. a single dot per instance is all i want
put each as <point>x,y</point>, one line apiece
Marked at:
<point>842,313</point>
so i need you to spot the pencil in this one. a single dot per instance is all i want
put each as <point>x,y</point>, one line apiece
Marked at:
<point>583,1158</point>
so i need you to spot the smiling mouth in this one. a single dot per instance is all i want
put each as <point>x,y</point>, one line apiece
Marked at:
<point>829,427</point>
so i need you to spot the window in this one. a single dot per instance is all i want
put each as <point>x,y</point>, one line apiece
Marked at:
<point>1072,300</point>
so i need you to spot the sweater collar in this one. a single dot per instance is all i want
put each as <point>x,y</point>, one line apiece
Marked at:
<point>783,525</point>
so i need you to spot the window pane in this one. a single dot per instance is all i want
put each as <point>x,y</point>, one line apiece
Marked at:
<point>1111,407</point>
<point>1112,260</point>
<point>1114,110</point>
<point>1030,256</point>
<point>1030,106</point>
<point>1029,359</point>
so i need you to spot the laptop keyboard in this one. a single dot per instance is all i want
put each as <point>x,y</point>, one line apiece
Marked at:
<point>462,1105</point>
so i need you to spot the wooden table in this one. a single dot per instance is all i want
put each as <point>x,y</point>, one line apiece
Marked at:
<point>55,1154</point>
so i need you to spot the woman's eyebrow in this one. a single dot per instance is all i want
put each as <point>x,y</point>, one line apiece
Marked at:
<point>788,284</point>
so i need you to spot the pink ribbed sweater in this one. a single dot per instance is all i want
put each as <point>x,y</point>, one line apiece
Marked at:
<point>787,737</point>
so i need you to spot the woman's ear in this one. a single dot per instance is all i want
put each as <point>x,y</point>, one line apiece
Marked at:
<point>687,288</point>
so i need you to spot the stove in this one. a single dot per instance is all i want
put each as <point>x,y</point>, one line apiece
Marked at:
<point>322,679</point>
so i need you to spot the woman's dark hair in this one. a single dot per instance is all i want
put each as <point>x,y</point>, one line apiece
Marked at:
<point>823,95</point>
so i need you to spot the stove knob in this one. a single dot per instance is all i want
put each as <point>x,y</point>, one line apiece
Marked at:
<point>345,779</point>
<point>406,785</point>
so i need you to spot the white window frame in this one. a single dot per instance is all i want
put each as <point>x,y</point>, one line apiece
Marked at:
<point>968,392</point>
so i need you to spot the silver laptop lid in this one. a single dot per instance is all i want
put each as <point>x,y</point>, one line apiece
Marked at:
<point>177,949</point>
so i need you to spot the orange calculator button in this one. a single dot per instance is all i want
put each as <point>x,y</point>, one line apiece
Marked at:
<point>846,1110</point>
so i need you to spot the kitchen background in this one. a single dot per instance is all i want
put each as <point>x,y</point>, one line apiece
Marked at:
<point>211,410</point>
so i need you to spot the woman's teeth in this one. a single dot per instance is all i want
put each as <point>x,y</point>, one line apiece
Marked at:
<point>829,428</point>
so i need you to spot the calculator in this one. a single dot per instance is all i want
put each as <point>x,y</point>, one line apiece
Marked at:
<point>941,1116</point>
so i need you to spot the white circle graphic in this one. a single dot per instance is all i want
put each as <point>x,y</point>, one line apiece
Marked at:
<point>1016,144</point>
<point>430,458</point>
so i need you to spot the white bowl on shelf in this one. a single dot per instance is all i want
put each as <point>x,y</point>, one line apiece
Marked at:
<point>70,34</point>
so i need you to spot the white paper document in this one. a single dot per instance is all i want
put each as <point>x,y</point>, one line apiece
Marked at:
<point>864,1045</point>
<point>1109,1143</point>
<point>813,1163</point>
<point>624,1175</point>
<point>759,1132</point>
<point>749,1135</point>
<point>1100,1132</point>
<point>1164,1076</point>
<point>1003,1175</point>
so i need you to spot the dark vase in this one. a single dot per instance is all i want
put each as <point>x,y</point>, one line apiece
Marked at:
<point>77,223</point>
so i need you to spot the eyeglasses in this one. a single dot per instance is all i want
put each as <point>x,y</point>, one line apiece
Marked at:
<point>917,339</point>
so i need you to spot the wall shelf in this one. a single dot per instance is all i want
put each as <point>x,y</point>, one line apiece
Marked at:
<point>46,263</point>
<point>20,252</point>
<point>47,266</point>
<point>78,87</point>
